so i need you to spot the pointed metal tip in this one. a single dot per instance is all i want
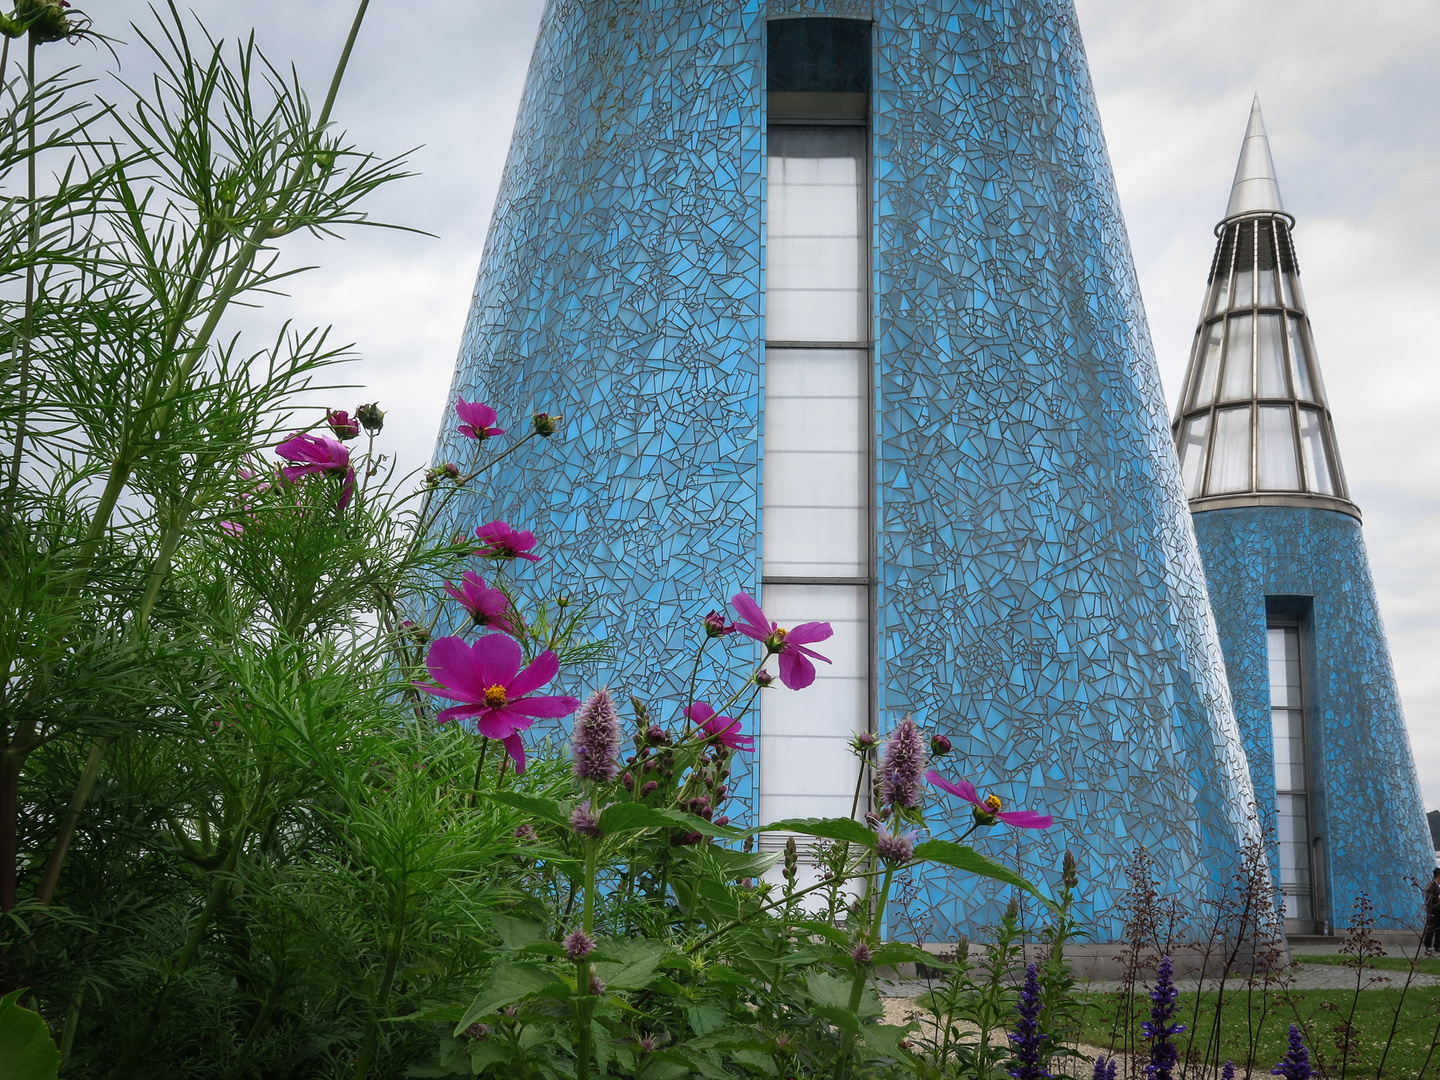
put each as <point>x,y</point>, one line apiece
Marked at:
<point>1255,187</point>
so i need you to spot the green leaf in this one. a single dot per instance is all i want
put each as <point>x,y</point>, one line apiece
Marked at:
<point>705,1016</point>
<point>620,818</point>
<point>838,1015</point>
<point>551,810</point>
<point>885,1038</point>
<point>508,983</point>
<point>968,859</point>
<point>900,952</point>
<point>26,1049</point>
<point>828,990</point>
<point>847,829</point>
<point>636,962</point>
<point>488,1052</point>
<point>733,865</point>
<point>517,933</point>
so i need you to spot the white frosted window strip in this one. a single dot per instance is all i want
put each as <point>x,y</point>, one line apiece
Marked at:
<point>1278,471</point>
<point>815,315</point>
<point>815,372</point>
<point>815,264</point>
<point>1289,747</point>
<point>1192,453</point>
<point>811,424</point>
<point>1230,457</point>
<point>832,478</point>
<point>804,732</point>
<point>1244,288</point>
<point>1211,338</point>
<point>1312,448</point>
<point>809,766</point>
<point>1236,380</point>
<point>1219,289</point>
<point>1307,383</point>
<point>815,542</point>
<point>1282,645</point>
<point>1266,287</point>
<point>1270,356</point>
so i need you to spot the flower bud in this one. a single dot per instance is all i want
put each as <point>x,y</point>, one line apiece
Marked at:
<point>371,418</point>
<point>46,19</point>
<point>939,746</point>
<point>477,1031</point>
<point>647,788</point>
<point>546,424</point>
<point>792,861</point>
<point>1069,875</point>
<point>722,820</point>
<point>763,679</point>
<point>716,626</point>
<point>524,832</point>
<point>597,987</point>
<point>861,953</point>
<point>655,735</point>
<point>415,632</point>
<point>864,741</point>
<point>342,426</point>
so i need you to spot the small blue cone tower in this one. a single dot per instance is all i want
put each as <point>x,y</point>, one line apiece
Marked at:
<point>837,301</point>
<point>1305,651</point>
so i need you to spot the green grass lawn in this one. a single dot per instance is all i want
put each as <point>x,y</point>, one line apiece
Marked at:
<point>1322,1011</point>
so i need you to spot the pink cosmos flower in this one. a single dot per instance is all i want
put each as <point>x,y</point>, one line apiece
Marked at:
<point>486,679</point>
<point>318,454</point>
<point>478,419</point>
<point>503,542</point>
<point>987,810</point>
<point>724,729</point>
<point>487,607</point>
<point>796,670</point>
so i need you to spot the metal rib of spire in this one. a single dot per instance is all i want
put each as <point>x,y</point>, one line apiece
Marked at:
<point>1255,189</point>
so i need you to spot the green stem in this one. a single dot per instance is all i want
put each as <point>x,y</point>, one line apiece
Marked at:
<point>479,769</point>
<point>341,65</point>
<point>857,986</point>
<point>27,325</point>
<point>78,798</point>
<point>387,980</point>
<point>771,906</point>
<point>72,1022</point>
<point>140,1040</point>
<point>584,1000</point>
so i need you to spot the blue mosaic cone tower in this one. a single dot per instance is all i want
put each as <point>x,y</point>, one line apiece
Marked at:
<point>1305,650</point>
<point>676,265</point>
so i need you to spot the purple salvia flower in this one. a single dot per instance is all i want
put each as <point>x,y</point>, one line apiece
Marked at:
<point>894,848</point>
<point>861,953</point>
<point>596,739</point>
<point>1028,1039</point>
<point>584,822</point>
<point>1228,1072</point>
<point>578,945</point>
<point>1105,1069</point>
<point>1295,1065</point>
<point>902,766</point>
<point>1164,1054</point>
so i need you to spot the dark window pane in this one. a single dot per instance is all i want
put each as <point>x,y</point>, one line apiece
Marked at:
<point>819,56</point>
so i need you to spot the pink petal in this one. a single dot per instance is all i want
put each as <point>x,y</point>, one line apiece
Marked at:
<point>807,632</point>
<point>528,558</point>
<point>459,712</point>
<point>497,658</point>
<point>805,652</point>
<point>699,712</point>
<point>1026,819</point>
<point>750,613</point>
<point>796,671</point>
<point>548,708</point>
<point>516,749</point>
<point>541,670</point>
<point>500,723</point>
<point>454,592</point>
<point>452,664</point>
<point>962,789</point>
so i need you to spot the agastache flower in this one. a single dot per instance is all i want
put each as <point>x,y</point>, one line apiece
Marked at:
<point>894,848</point>
<point>578,945</point>
<point>861,954</point>
<point>318,454</point>
<point>493,691</point>
<point>1295,1065</point>
<point>584,821</point>
<point>478,419</point>
<point>987,810</point>
<point>502,542</point>
<point>342,426</point>
<point>596,738</point>
<point>1028,1039</point>
<point>901,765</point>
<point>487,607</point>
<point>723,729</point>
<point>796,670</point>
<point>1164,1054</point>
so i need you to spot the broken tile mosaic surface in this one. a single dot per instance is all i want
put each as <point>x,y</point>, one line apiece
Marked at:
<point>1038,591</point>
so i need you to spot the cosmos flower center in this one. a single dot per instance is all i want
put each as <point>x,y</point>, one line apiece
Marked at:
<point>776,641</point>
<point>993,803</point>
<point>495,696</point>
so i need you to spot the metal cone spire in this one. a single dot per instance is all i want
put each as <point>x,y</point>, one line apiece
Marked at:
<point>1255,188</point>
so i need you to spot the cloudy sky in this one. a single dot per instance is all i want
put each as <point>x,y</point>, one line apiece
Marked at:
<point>1351,95</point>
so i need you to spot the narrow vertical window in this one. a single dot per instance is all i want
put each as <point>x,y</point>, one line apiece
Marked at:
<point>1292,784</point>
<point>816,543</point>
